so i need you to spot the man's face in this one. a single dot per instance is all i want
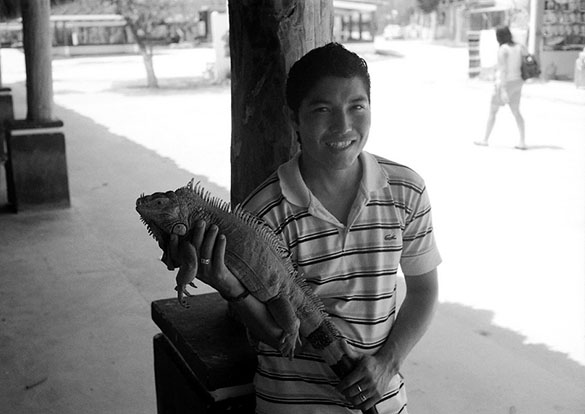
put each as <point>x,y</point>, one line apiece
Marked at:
<point>334,122</point>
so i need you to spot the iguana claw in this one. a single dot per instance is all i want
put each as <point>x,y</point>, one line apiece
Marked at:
<point>288,343</point>
<point>187,271</point>
<point>181,293</point>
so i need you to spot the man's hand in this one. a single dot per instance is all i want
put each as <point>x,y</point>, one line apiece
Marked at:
<point>368,381</point>
<point>212,269</point>
<point>202,257</point>
<point>373,373</point>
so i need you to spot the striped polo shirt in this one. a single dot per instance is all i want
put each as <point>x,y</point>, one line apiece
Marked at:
<point>353,269</point>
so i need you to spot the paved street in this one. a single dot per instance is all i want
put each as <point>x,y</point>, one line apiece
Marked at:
<point>510,223</point>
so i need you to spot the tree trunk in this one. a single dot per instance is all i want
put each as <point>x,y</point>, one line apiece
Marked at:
<point>266,38</point>
<point>146,52</point>
<point>147,55</point>
<point>36,37</point>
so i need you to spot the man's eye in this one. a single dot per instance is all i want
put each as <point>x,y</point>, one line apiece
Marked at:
<point>321,109</point>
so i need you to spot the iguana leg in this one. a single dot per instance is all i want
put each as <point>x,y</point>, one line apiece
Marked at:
<point>187,271</point>
<point>170,251</point>
<point>283,313</point>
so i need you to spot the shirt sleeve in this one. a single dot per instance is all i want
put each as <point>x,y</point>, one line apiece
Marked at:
<point>420,254</point>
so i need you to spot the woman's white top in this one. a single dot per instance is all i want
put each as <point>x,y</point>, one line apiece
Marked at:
<point>509,62</point>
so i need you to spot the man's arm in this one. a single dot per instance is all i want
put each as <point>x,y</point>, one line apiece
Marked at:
<point>413,318</point>
<point>207,243</point>
<point>374,372</point>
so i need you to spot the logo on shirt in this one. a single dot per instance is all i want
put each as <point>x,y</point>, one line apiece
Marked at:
<point>390,236</point>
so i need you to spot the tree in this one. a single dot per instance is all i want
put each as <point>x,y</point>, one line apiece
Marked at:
<point>428,6</point>
<point>148,20</point>
<point>145,18</point>
<point>10,9</point>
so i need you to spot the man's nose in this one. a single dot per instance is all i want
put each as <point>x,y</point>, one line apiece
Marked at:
<point>341,122</point>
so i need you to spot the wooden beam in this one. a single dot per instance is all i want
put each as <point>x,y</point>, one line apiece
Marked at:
<point>266,38</point>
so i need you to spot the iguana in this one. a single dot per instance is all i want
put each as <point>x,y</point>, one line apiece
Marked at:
<point>256,256</point>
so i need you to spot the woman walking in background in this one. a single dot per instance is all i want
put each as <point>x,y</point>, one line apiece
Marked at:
<point>508,84</point>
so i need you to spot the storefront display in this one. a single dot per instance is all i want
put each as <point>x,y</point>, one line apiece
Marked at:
<point>563,25</point>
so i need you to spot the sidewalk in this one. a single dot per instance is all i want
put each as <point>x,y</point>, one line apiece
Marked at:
<point>76,287</point>
<point>76,284</point>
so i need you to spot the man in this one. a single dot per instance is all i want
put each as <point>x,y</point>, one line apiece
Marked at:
<point>350,220</point>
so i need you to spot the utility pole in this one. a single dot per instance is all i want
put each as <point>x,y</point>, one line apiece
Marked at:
<point>534,31</point>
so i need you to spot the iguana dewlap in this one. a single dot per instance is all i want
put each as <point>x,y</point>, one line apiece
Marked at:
<point>254,254</point>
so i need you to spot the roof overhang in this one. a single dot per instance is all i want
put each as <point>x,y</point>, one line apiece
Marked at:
<point>354,6</point>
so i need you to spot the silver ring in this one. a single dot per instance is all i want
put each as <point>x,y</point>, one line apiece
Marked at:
<point>363,397</point>
<point>205,261</point>
<point>359,389</point>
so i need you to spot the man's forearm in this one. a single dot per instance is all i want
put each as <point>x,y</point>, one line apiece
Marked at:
<point>259,321</point>
<point>412,320</point>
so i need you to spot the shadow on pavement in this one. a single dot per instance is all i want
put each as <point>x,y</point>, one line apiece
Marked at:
<point>544,147</point>
<point>465,363</point>
<point>175,86</point>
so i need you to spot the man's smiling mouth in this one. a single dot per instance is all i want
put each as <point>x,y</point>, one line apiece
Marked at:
<point>339,145</point>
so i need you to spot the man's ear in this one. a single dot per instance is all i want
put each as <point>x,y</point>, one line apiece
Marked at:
<point>293,118</point>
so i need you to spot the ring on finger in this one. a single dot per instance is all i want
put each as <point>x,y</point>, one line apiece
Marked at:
<point>359,389</point>
<point>363,397</point>
<point>205,261</point>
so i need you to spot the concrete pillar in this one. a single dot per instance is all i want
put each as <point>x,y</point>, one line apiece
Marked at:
<point>36,167</point>
<point>534,28</point>
<point>220,38</point>
<point>36,38</point>
<point>6,115</point>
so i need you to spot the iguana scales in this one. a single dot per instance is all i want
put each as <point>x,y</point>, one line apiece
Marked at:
<point>256,256</point>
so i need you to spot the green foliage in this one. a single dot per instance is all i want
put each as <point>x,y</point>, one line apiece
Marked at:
<point>148,16</point>
<point>427,6</point>
<point>10,9</point>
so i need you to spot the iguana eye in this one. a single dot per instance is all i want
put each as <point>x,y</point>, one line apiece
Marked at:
<point>161,201</point>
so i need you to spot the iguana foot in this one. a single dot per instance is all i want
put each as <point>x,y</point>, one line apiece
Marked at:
<point>284,315</point>
<point>288,343</point>
<point>187,271</point>
<point>181,293</point>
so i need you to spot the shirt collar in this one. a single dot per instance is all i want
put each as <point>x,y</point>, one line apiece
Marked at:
<point>295,190</point>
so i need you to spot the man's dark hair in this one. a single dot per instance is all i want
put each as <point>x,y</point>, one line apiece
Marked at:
<point>504,35</point>
<point>330,60</point>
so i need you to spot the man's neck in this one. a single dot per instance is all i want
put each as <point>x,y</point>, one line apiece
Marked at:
<point>335,189</point>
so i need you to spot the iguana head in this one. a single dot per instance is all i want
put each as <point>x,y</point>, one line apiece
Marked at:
<point>172,213</point>
<point>163,215</point>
